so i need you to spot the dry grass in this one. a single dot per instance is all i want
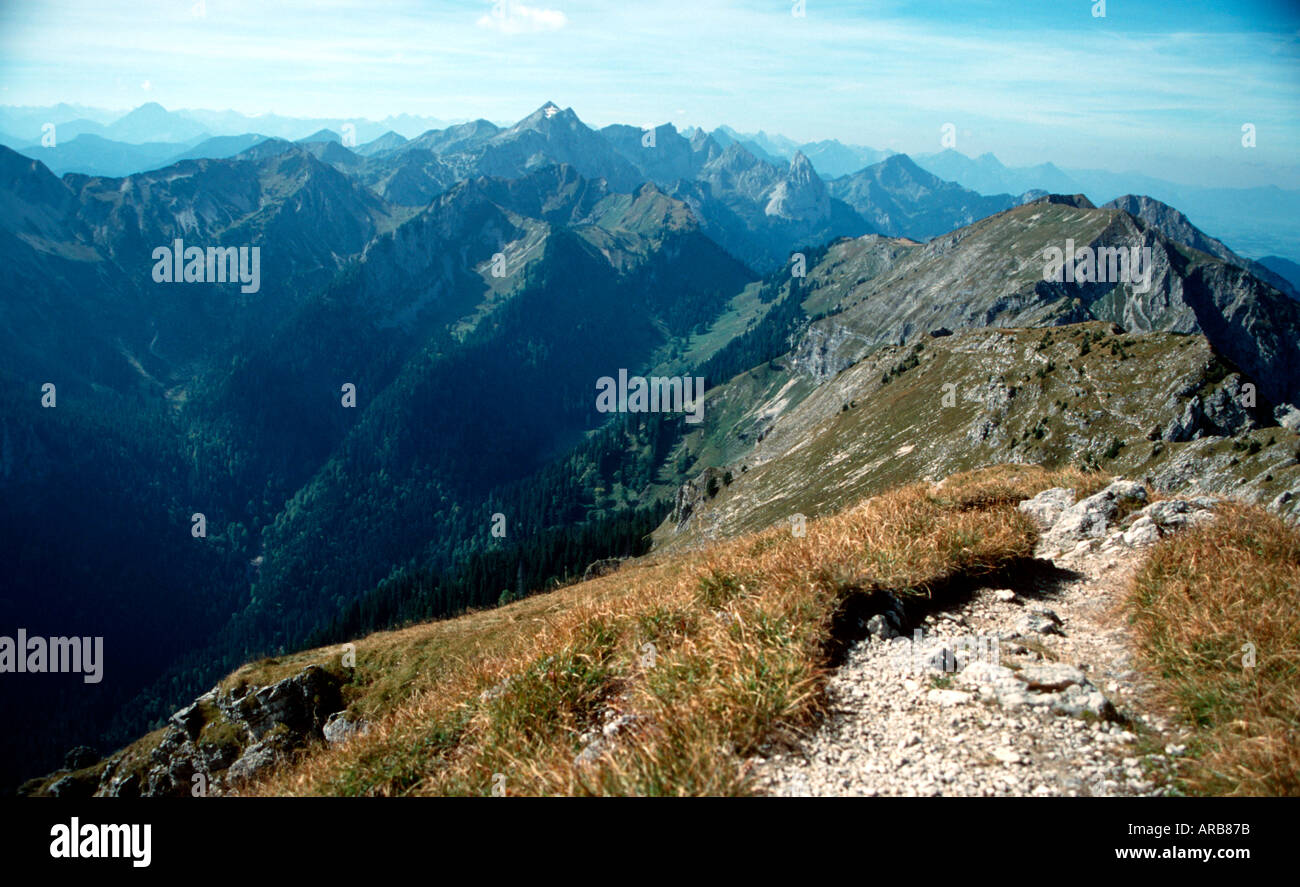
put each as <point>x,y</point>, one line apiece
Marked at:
<point>739,635</point>
<point>1200,598</point>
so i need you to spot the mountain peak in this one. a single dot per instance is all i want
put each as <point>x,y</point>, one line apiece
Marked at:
<point>801,195</point>
<point>1079,201</point>
<point>321,135</point>
<point>899,161</point>
<point>550,111</point>
<point>1177,227</point>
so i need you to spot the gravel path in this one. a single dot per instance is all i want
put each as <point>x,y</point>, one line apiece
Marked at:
<point>1057,710</point>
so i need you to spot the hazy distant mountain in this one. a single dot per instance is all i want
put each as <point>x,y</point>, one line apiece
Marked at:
<point>96,155</point>
<point>453,139</point>
<point>829,157</point>
<point>292,128</point>
<point>321,135</point>
<point>151,122</point>
<point>552,135</point>
<point>987,175</point>
<point>1255,221</point>
<point>1284,268</point>
<point>217,148</point>
<point>771,148</point>
<point>387,142</point>
<point>899,198</point>
<point>832,159</point>
<point>25,124</point>
<point>727,137</point>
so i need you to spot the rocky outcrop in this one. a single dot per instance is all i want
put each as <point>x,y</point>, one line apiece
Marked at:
<point>1089,519</point>
<point>822,351</point>
<point>1111,517</point>
<point>602,567</point>
<point>1288,417</point>
<point>1222,413</point>
<point>1177,227</point>
<point>300,704</point>
<point>693,493</point>
<point>223,738</point>
<point>1046,508</point>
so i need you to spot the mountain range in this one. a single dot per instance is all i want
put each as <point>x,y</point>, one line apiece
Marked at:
<point>1257,220</point>
<point>417,369</point>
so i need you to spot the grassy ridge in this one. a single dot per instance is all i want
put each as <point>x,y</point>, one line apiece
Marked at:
<point>739,635</point>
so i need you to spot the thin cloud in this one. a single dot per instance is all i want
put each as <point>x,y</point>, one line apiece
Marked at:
<point>516,18</point>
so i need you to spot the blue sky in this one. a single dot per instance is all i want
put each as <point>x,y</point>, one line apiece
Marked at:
<point>1156,87</point>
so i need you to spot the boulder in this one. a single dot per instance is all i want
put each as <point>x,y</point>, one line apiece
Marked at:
<point>1170,515</point>
<point>603,567</point>
<point>340,728</point>
<point>1144,531</point>
<point>258,758</point>
<point>1046,508</point>
<point>1288,417</point>
<point>1090,518</point>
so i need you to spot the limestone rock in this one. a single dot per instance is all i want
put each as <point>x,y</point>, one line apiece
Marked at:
<point>1046,508</point>
<point>340,728</point>
<point>1090,518</point>
<point>1288,417</point>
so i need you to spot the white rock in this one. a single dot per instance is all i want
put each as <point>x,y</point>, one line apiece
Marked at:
<point>948,697</point>
<point>1143,532</point>
<point>1048,506</point>
<point>1006,756</point>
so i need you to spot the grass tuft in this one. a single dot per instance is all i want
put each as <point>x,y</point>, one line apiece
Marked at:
<point>1203,602</point>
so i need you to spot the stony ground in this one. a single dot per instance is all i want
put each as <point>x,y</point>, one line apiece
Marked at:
<point>1028,690</point>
